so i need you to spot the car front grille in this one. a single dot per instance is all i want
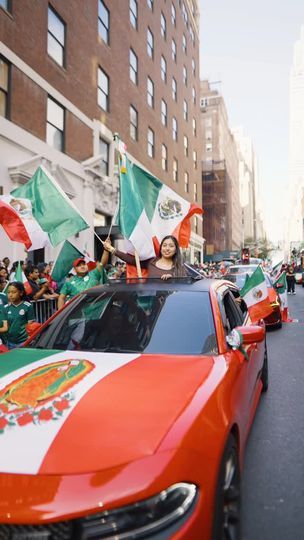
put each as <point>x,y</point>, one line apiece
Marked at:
<point>62,530</point>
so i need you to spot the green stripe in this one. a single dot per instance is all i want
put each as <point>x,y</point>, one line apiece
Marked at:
<point>18,358</point>
<point>138,191</point>
<point>255,279</point>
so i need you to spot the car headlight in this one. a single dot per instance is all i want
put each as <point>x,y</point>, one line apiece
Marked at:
<point>142,518</point>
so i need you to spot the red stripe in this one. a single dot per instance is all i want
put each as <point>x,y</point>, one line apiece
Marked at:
<point>127,414</point>
<point>13,225</point>
<point>183,230</point>
<point>260,310</point>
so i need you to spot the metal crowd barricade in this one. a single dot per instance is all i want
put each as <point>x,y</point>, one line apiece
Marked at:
<point>43,308</point>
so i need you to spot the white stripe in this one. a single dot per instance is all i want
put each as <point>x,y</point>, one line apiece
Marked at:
<point>251,299</point>
<point>162,226</point>
<point>23,448</point>
<point>141,237</point>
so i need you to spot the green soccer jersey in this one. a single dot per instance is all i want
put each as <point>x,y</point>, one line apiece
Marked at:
<point>17,317</point>
<point>78,284</point>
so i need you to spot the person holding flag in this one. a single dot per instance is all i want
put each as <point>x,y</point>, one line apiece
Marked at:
<point>84,279</point>
<point>167,265</point>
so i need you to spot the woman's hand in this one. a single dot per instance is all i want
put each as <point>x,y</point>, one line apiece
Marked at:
<point>108,246</point>
<point>166,276</point>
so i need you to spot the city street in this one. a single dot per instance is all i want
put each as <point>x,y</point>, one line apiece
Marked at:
<point>273,480</point>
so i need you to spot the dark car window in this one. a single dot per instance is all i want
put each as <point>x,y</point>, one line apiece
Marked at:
<point>171,322</point>
<point>231,312</point>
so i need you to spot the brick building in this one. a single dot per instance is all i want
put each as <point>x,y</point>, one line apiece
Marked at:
<point>74,73</point>
<point>220,176</point>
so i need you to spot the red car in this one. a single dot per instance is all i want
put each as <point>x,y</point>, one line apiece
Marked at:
<point>126,415</point>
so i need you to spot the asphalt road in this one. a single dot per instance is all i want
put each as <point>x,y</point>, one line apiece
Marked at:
<point>273,476</point>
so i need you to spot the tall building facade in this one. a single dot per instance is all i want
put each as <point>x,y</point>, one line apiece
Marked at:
<point>220,176</point>
<point>72,74</point>
<point>295,223</point>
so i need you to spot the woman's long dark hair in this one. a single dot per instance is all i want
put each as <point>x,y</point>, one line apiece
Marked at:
<point>177,257</point>
<point>20,287</point>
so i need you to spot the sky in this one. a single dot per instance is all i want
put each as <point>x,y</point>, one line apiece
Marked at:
<point>248,46</point>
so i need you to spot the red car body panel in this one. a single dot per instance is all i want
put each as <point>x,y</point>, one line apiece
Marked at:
<point>127,442</point>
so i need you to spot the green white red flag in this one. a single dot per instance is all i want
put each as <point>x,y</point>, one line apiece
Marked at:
<point>281,286</point>
<point>13,224</point>
<point>47,212</point>
<point>64,262</point>
<point>150,210</point>
<point>255,295</point>
<point>21,277</point>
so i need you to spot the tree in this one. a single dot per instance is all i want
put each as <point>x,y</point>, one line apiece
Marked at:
<point>260,248</point>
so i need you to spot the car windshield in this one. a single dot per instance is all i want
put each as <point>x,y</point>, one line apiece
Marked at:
<point>239,279</point>
<point>243,268</point>
<point>159,322</point>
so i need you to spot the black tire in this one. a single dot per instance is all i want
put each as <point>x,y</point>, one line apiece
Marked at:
<point>227,514</point>
<point>279,325</point>
<point>264,374</point>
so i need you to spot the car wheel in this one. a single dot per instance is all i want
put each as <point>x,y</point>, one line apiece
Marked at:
<point>264,375</point>
<point>227,515</point>
<point>279,325</point>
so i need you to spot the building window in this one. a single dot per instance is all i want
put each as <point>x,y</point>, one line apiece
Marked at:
<point>150,141</point>
<point>204,102</point>
<point>195,192</point>
<point>150,4</point>
<point>163,112</point>
<point>103,22</point>
<point>196,224</point>
<point>208,147</point>
<point>163,26</point>
<point>185,110</point>
<point>6,4</point>
<point>56,37</point>
<point>163,69</point>
<point>4,82</point>
<point>194,127</point>
<point>185,15</point>
<point>186,148</point>
<point>192,35</point>
<point>193,66</point>
<point>193,95</point>
<point>133,67</point>
<point>103,90</point>
<point>195,159</point>
<point>174,89</point>
<point>133,13</point>
<point>173,14</point>
<point>208,134</point>
<point>173,49</point>
<point>55,125</point>
<point>150,43</point>
<point>175,170</point>
<point>150,93</point>
<point>104,153</point>
<point>133,123</point>
<point>186,182</point>
<point>184,42</point>
<point>174,129</point>
<point>164,158</point>
<point>185,77</point>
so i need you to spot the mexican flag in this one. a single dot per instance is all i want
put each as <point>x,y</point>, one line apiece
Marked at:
<point>149,210</point>
<point>255,295</point>
<point>21,277</point>
<point>13,224</point>
<point>281,285</point>
<point>42,201</point>
<point>64,262</point>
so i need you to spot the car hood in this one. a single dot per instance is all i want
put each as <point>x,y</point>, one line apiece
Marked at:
<point>70,412</point>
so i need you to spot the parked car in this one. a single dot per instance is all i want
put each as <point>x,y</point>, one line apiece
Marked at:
<point>275,318</point>
<point>126,414</point>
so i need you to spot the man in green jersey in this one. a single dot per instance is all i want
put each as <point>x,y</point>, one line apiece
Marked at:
<point>83,279</point>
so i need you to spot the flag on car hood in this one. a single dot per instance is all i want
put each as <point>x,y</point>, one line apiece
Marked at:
<point>50,207</point>
<point>255,294</point>
<point>149,210</point>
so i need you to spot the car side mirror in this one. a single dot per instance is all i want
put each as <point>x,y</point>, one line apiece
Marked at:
<point>251,334</point>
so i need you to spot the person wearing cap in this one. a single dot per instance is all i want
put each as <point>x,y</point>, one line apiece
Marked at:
<point>83,279</point>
